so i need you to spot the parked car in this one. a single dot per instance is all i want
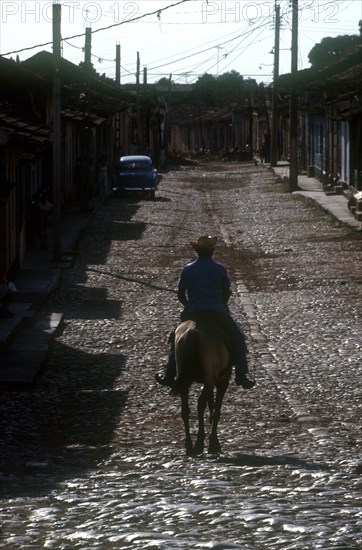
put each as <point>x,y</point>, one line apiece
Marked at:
<point>135,173</point>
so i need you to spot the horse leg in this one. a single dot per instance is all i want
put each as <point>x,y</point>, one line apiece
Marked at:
<point>214,444</point>
<point>185,414</point>
<point>201,406</point>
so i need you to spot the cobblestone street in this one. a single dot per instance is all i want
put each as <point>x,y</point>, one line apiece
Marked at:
<point>93,457</point>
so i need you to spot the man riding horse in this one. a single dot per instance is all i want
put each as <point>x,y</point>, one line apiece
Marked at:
<point>204,285</point>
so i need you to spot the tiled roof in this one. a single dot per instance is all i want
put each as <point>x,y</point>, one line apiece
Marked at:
<point>343,75</point>
<point>13,127</point>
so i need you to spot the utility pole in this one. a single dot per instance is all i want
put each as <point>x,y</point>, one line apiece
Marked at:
<point>138,101</point>
<point>88,47</point>
<point>293,168</point>
<point>117,145</point>
<point>118,64</point>
<point>57,151</point>
<point>275,106</point>
<point>85,172</point>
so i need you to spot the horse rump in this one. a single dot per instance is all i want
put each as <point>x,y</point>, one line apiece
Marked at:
<point>188,360</point>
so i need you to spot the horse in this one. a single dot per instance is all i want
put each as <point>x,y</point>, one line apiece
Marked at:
<point>202,355</point>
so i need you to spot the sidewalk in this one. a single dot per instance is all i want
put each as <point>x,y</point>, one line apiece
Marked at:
<point>25,339</point>
<point>337,205</point>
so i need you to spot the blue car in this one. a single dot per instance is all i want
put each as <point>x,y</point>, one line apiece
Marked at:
<point>135,173</point>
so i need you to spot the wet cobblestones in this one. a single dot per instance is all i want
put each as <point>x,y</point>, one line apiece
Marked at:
<point>93,457</point>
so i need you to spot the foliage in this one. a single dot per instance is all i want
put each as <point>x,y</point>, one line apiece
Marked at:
<point>331,48</point>
<point>164,81</point>
<point>222,90</point>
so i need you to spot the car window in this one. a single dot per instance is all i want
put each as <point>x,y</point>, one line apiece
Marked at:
<point>134,166</point>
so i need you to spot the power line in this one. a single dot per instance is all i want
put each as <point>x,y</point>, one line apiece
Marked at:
<point>199,52</point>
<point>219,44</point>
<point>155,12</point>
<point>247,34</point>
<point>98,57</point>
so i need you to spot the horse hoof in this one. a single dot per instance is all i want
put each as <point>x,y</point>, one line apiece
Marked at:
<point>199,449</point>
<point>189,449</point>
<point>214,449</point>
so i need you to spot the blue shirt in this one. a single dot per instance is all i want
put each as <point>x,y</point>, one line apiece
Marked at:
<point>204,280</point>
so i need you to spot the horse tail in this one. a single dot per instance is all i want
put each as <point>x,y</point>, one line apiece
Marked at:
<point>188,361</point>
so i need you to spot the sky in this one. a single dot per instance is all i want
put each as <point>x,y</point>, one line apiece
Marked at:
<point>182,38</point>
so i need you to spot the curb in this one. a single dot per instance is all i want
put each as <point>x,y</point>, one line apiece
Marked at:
<point>27,356</point>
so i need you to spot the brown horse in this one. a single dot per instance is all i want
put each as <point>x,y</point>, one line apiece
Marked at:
<point>202,355</point>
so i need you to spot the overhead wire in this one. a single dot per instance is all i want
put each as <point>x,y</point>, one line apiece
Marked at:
<point>191,70</point>
<point>156,12</point>
<point>261,27</point>
<point>342,5</point>
<point>244,35</point>
<point>197,53</point>
<point>101,58</point>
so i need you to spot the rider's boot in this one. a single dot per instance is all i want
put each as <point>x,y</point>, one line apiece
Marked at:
<point>164,380</point>
<point>243,379</point>
<point>168,378</point>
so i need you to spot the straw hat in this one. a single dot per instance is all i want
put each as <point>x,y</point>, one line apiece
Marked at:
<point>204,242</point>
